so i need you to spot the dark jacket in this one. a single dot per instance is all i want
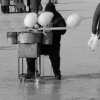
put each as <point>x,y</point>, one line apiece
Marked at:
<point>57,21</point>
<point>28,2</point>
<point>96,20</point>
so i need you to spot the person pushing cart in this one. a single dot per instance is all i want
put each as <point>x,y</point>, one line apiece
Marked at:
<point>52,50</point>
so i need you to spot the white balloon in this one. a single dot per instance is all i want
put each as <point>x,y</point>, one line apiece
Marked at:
<point>45,18</point>
<point>73,20</point>
<point>30,19</point>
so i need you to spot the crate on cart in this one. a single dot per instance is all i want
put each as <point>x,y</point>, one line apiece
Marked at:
<point>27,50</point>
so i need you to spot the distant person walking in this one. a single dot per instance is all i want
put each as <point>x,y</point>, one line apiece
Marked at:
<point>34,5</point>
<point>19,6</point>
<point>5,6</point>
<point>28,4</point>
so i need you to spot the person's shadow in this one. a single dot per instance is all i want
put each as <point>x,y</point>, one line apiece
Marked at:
<point>82,76</point>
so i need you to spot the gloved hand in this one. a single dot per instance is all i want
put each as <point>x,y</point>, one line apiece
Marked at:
<point>45,32</point>
<point>92,42</point>
<point>36,26</point>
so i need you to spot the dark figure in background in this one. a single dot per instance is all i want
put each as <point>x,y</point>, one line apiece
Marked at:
<point>52,50</point>
<point>28,4</point>
<point>5,6</point>
<point>34,5</point>
<point>53,1</point>
<point>20,6</point>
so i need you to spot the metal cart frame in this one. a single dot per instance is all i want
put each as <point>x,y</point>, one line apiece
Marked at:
<point>21,74</point>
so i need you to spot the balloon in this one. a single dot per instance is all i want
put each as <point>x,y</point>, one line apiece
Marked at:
<point>73,20</point>
<point>30,19</point>
<point>45,18</point>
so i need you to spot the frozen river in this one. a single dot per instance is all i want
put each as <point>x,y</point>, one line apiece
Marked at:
<point>80,67</point>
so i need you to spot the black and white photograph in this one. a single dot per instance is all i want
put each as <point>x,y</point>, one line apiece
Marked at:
<point>49,50</point>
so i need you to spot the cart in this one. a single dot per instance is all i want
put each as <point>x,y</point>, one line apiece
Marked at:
<point>30,47</point>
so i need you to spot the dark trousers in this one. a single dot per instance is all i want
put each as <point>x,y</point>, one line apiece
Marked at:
<point>5,9</point>
<point>54,55</point>
<point>31,65</point>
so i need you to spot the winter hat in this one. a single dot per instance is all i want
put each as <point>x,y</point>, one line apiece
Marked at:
<point>50,7</point>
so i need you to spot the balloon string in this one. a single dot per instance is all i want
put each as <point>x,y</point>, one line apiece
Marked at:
<point>44,31</point>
